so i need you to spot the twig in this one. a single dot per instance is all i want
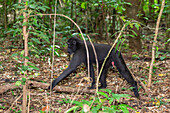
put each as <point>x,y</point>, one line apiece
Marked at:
<point>75,94</point>
<point>60,4</point>
<point>154,44</point>
<point>142,84</point>
<point>52,63</point>
<point>13,104</point>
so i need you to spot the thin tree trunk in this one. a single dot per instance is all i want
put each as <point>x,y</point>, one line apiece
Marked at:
<point>131,12</point>
<point>5,24</point>
<point>86,19</point>
<point>107,36</point>
<point>15,12</point>
<point>72,6</point>
<point>151,9</point>
<point>76,14</point>
<point>167,46</point>
<point>5,15</point>
<point>50,11</point>
<point>25,34</point>
<point>113,23</point>
<point>154,44</point>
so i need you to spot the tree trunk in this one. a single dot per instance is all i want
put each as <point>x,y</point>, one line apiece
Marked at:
<point>167,46</point>
<point>50,11</point>
<point>25,35</point>
<point>113,23</point>
<point>151,9</point>
<point>72,6</point>
<point>5,23</point>
<point>86,11</point>
<point>5,15</point>
<point>103,13</point>
<point>76,14</point>
<point>135,43</point>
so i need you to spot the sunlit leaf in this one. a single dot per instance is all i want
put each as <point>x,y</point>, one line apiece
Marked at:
<point>83,5</point>
<point>18,83</point>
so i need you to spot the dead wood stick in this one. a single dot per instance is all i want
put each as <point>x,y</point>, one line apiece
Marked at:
<point>5,88</point>
<point>65,89</point>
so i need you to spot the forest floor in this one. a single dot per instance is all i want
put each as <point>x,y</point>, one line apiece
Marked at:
<point>156,101</point>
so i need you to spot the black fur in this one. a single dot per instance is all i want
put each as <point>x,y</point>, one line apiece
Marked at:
<point>77,48</point>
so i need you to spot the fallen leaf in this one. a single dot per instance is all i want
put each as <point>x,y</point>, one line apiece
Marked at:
<point>86,108</point>
<point>162,75</point>
<point>46,108</point>
<point>87,78</point>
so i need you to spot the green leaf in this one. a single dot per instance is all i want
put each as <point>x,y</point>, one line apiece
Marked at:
<point>124,108</point>
<point>109,110</point>
<point>25,24</point>
<point>103,94</point>
<point>42,8</point>
<point>128,3</point>
<point>21,17</point>
<point>78,103</point>
<point>117,45</point>
<point>18,83</point>
<point>111,100</point>
<point>102,100</point>
<point>45,37</point>
<point>118,96</point>
<point>146,18</point>
<point>130,35</point>
<point>34,67</point>
<point>163,57</point>
<point>24,79</point>
<point>32,6</point>
<point>137,26</point>
<point>83,5</point>
<point>134,32</point>
<point>131,25</point>
<point>96,108</point>
<point>74,108</point>
<point>27,57</point>
<point>14,54</point>
<point>123,18</point>
<point>24,68</point>
<point>36,40</point>
<point>107,90</point>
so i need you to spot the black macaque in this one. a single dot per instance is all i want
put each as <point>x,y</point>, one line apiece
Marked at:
<point>77,48</point>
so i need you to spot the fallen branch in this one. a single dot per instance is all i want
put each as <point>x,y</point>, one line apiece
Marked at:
<point>64,89</point>
<point>7,87</point>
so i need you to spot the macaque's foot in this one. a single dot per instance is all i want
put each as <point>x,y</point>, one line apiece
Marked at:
<point>102,87</point>
<point>92,87</point>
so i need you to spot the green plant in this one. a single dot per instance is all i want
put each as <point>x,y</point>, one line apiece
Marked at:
<point>2,107</point>
<point>37,29</point>
<point>38,34</point>
<point>99,104</point>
